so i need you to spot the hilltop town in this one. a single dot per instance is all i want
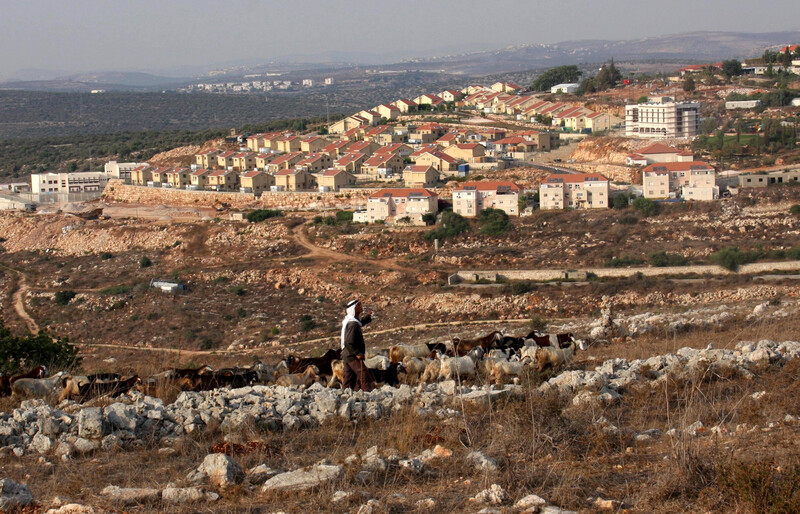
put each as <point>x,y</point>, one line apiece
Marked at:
<point>613,258</point>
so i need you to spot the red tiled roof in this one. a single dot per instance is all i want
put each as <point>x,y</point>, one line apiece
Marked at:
<point>663,167</point>
<point>378,159</point>
<point>390,148</point>
<point>348,158</point>
<point>403,192</point>
<point>489,185</point>
<point>289,171</point>
<point>418,168</point>
<point>657,148</point>
<point>439,155</point>
<point>330,172</point>
<point>251,174</point>
<point>286,157</point>
<point>574,178</point>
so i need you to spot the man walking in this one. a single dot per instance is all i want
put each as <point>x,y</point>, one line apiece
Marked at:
<point>353,348</point>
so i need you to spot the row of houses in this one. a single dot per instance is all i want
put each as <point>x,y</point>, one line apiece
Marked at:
<point>413,204</point>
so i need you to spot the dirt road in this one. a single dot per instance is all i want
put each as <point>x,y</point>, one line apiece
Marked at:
<point>246,351</point>
<point>317,252</point>
<point>18,299</point>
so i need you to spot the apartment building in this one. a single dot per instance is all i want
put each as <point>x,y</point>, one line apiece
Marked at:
<point>695,180</point>
<point>574,190</point>
<point>255,182</point>
<point>393,204</point>
<point>420,176</point>
<point>122,170</point>
<point>472,197</point>
<point>662,117</point>
<point>78,182</point>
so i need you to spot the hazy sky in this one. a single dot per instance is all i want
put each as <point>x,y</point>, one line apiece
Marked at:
<point>152,35</point>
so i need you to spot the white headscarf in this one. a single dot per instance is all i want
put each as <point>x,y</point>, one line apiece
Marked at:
<point>351,316</point>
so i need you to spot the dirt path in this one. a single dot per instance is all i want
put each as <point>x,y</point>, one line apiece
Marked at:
<point>18,299</point>
<point>317,252</point>
<point>246,351</point>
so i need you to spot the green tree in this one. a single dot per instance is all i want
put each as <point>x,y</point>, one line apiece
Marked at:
<point>494,222</point>
<point>19,353</point>
<point>645,206</point>
<point>63,297</point>
<point>555,76</point>
<point>621,201</point>
<point>731,68</point>
<point>262,214</point>
<point>688,84</point>
<point>452,225</point>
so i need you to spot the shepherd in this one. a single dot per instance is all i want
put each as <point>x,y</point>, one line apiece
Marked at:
<point>353,348</point>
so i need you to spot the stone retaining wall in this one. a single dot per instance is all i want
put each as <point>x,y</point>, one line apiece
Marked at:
<point>555,274</point>
<point>118,191</point>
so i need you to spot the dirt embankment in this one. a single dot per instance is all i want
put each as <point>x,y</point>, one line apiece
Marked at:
<point>184,155</point>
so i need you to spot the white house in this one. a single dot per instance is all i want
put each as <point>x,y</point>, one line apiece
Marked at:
<point>564,88</point>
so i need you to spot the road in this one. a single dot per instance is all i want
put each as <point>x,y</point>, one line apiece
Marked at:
<point>246,351</point>
<point>18,299</point>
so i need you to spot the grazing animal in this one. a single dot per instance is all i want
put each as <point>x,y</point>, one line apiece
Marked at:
<point>431,373</point>
<point>305,379</point>
<point>457,367</point>
<point>323,364</point>
<point>389,376</point>
<point>463,346</point>
<point>37,387</point>
<point>337,376</point>
<point>377,362</point>
<point>191,372</point>
<point>504,369</point>
<point>529,353</point>
<point>399,352</point>
<point>415,367</point>
<point>437,347</point>
<point>553,357</point>
<point>96,389</point>
<point>6,382</point>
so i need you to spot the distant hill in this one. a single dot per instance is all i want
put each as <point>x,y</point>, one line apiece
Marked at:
<point>695,46</point>
<point>110,80</point>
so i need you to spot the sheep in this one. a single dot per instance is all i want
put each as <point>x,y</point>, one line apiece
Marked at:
<point>305,379</point>
<point>497,355</point>
<point>553,357</point>
<point>38,387</point>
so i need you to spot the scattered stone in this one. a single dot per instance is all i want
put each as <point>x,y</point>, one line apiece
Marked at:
<point>371,507</point>
<point>413,465</point>
<point>758,395</point>
<point>41,443</point>
<point>602,504</point>
<point>131,495</point>
<point>426,504</point>
<point>495,495</point>
<point>121,416</point>
<point>302,479</point>
<point>260,474</point>
<point>552,509</point>
<point>220,470</point>
<point>90,423</point>
<point>696,429</point>
<point>530,502</point>
<point>340,496</point>
<point>14,494</point>
<point>181,495</point>
<point>482,462</point>
<point>72,508</point>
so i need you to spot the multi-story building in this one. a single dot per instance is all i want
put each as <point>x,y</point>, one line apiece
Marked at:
<point>662,118</point>
<point>395,204</point>
<point>574,190</point>
<point>255,182</point>
<point>420,176</point>
<point>78,182</point>
<point>658,152</point>
<point>664,180</point>
<point>122,170</point>
<point>472,197</point>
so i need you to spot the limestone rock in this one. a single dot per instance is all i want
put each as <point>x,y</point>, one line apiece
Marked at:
<point>90,423</point>
<point>495,495</point>
<point>302,479</point>
<point>13,494</point>
<point>220,470</point>
<point>131,495</point>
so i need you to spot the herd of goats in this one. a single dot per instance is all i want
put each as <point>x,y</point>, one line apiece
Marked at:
<point>494,356</point>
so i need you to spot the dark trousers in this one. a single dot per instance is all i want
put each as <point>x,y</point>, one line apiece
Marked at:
<point>356,373</point>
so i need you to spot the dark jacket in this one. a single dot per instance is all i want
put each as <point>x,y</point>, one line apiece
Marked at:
<point>354,345</point>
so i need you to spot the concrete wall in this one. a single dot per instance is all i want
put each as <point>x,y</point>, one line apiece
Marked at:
<point>117,191</point>
<point>554,274</point>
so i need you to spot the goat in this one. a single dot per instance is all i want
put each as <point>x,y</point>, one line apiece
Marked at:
<point>305,379</point>
<point>399,352</point>
<point>553,357</point>
<point>37,387</point>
